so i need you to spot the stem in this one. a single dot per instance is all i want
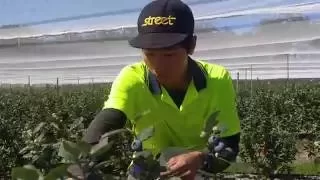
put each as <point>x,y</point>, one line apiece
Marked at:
<point>114,132</point>
<point>73,177</point>
<point>82,170</point>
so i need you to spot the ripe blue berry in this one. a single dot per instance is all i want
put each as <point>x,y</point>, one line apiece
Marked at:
<point>136,145</point>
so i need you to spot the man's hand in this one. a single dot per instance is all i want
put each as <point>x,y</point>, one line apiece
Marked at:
<point>184,165</point>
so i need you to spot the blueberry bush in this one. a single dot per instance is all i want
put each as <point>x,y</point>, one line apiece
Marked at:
<point>34,121</point>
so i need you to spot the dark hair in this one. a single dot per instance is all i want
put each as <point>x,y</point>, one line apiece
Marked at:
<point>188,43</point>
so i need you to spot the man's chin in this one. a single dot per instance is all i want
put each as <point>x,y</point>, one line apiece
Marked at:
<point>165,78</point>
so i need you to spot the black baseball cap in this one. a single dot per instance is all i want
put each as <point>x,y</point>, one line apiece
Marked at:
<point>163,23</point>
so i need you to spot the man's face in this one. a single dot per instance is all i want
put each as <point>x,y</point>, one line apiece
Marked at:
<point>168,64</point>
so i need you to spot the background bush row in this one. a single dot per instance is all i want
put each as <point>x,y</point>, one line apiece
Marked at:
<point>273,118</point>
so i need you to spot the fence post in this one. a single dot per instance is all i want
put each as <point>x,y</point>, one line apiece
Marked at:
<point>288,70</point>
<point>238,77</point>
<point>92,81</point>
<point>251,80</point>
<point>246,78</point>
<point>57,86</point>
<point>29,83</point>
<point>19,42</point>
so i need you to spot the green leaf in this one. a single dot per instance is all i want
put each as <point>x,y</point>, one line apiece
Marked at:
<point>84,147</point>
<point>24,150</point>
<point>102,164</point>
<point>101,148</point>
<point>27,172</point>
<point>35,158</point>
<point>170,152</point>
<point>58,172</point>
<point>39,127</point>
<point>75,170</point>
<point>146,134</point>
<point>40,137</point>
<point>76,123</point>
<point>54,125</point>
<point>69,151</point>
<point>28,156</point>
<point>108,177</point>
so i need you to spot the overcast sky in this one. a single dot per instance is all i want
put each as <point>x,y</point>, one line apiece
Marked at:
<point>69,15</point>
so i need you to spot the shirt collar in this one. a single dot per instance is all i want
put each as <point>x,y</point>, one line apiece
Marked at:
<point>195,69</point>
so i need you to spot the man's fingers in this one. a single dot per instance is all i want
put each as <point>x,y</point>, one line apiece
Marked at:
<point>178,173</point>
<point>178,170</point>
<point>181,173</point>
<point>186,173</point>
<point>172,161</point>
<point>171,165</point>
<point>188,177</point>
<point>175,166</point>
<point>164,174</point>
<point>168,172</point>
<point>172,170</point>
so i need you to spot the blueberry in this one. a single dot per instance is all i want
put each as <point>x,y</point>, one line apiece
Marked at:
<point>137,169</point>
<point>136,145</point>
<point>219,147</point>
<point>211,140</point>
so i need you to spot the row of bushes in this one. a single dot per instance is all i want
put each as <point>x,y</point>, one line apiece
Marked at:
<point>33,122</point>
<point>273,121</point>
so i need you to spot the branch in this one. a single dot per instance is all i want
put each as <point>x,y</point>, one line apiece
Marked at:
<point>73,177</point>
<point>114,132</point>
<point>82,169</point>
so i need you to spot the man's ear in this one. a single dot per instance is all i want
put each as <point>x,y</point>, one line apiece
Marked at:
<point>192,46</point>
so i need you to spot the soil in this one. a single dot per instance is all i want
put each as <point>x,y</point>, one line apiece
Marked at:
<point>302,154</point>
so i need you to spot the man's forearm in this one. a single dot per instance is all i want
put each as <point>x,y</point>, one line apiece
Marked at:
<point>106,120</point>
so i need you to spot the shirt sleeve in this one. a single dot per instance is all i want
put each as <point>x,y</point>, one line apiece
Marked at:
<point>121,96</point>
<point>228,118</point>
<point>105,121</point>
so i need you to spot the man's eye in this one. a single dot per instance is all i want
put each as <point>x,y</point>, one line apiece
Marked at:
<point>168,55</point>
<point>149,54</point>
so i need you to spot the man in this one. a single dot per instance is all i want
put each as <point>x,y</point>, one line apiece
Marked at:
<point>178,92</point>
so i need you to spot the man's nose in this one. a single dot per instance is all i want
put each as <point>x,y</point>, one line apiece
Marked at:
<point>161,60</point>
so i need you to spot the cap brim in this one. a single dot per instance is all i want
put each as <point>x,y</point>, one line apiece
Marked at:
<point>157,40</point>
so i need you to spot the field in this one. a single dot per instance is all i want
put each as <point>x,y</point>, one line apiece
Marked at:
<point>280,125</point>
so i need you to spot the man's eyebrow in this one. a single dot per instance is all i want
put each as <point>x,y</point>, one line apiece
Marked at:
<point>172,47</point>
<point>164,50</point>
